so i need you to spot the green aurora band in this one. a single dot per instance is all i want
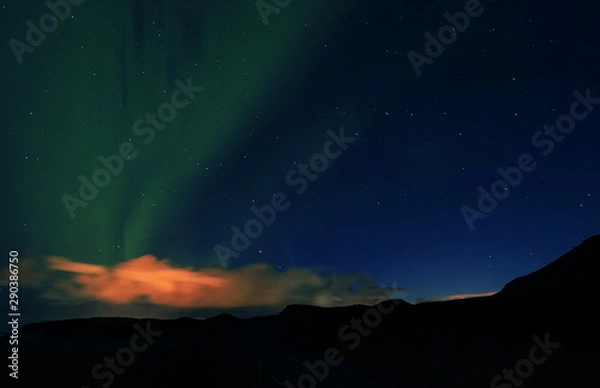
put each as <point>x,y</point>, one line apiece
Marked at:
<point>104,69</point>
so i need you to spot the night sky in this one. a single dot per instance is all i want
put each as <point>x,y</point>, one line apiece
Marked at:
<point>401,142</point>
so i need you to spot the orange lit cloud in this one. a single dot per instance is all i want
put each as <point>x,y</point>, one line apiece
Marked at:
<point>150,280</point>
<point>454,297</point>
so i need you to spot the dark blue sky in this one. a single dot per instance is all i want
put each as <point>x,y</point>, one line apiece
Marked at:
<point>388,208</point>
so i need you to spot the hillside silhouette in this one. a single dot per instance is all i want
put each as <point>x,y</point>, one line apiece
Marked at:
<point>459,343</point>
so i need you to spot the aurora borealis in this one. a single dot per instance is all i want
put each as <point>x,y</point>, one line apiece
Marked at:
<point>386,211</point>
<point>124,72</point>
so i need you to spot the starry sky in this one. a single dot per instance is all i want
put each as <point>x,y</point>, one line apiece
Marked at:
<point>266,96</point>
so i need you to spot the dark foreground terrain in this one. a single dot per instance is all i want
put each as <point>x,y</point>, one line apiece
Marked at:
<point>545,325</point>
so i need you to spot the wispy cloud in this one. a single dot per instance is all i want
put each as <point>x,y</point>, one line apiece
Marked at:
<point>454,297</point>
<point>148,280</point>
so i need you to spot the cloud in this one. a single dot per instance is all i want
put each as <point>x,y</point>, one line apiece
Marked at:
<point>148,280</point>
<point>454,297</point>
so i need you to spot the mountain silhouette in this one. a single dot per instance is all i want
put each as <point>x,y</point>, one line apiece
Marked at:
<point>550,315</point>
<point>572,276</point>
